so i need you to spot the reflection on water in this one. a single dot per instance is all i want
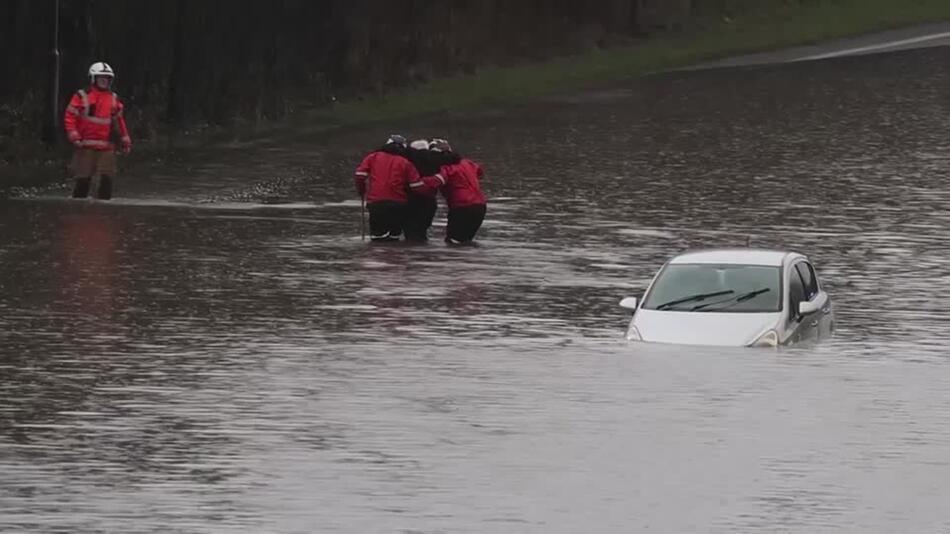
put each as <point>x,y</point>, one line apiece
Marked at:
<point>218,351</point>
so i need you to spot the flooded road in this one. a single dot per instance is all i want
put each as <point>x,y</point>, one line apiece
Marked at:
<point>934,34</point>
<point>217,351</point>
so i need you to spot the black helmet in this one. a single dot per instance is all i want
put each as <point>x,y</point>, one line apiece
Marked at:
<point>396,139</point>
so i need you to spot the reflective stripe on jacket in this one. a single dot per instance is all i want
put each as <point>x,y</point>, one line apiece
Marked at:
<point>459,184</point>
<point>384,175</point>
<point>89,116</point>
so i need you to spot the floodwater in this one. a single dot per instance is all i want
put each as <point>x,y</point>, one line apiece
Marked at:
<point>218,351</point>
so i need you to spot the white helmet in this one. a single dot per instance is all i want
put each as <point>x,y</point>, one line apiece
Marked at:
<point>100,68</point>
<point>419,144</point>
<point>440,145</point>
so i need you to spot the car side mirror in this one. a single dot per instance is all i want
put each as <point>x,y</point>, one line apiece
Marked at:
<point>813,305</point>
<point>629,303</point>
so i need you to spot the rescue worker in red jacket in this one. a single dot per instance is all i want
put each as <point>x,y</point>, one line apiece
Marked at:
<point>95,125</point>
<point>422,203</point>
<point>458,178</point>
<point>383,179</point>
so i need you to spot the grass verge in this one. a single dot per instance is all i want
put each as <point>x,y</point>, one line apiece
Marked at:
<point>771,29</point>
<point>772,26</point>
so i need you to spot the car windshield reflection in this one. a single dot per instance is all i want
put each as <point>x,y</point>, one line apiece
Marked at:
<point>716,288</point>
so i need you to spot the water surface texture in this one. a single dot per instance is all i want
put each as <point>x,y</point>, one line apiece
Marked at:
<point>217,351</point>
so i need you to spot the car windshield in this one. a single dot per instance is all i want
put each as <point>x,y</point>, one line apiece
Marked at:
<point>716,288</point>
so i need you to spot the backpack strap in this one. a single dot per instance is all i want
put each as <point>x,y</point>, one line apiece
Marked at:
<point>85,101</point>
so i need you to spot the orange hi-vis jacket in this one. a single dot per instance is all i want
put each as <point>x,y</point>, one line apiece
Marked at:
<point>89,119</point>
<point>459,183</point>
<point>384,175</point>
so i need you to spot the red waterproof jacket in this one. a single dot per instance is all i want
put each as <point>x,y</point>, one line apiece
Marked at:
<point>89,117</point>
<point>459,184</point>
<point>385,175</point>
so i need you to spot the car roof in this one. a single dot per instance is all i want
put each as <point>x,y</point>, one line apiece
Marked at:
<point>739,256</point>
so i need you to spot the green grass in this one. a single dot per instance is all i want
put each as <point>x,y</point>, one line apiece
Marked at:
<point>774,24</point>
<point>769,29</point>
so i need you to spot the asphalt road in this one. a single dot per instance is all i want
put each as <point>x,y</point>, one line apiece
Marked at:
<point>922,36</point>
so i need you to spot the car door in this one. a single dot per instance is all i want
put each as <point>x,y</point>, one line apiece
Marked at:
<point>810,324</point>
<point>823,320</point>
<point>798,329</point>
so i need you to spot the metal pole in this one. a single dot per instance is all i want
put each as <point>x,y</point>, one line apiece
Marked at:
<point>363,217</point>
<point>56,68</point>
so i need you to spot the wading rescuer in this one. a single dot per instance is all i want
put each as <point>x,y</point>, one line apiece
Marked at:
<point>422,205</point>
<point>459,179</point>
<point>383,179</point>
<point>95,125</point>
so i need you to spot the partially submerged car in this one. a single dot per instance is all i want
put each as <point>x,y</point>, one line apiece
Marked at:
<point>742,297</point>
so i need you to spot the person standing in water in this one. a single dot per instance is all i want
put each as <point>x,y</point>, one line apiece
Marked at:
<point>95,126</point>
<point>459,180</point>
<point>383,179</point>
<point>422,204</point>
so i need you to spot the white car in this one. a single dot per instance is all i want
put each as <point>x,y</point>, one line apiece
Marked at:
<point>742,297</point>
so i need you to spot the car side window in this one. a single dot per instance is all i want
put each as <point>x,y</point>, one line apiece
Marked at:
<point>809,280</point>
<point>796,292</point>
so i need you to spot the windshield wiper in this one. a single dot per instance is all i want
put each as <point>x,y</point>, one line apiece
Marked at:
<point>691,298</point>
<point>738,298</point>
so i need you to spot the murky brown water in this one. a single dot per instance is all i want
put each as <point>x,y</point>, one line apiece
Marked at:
<point>190,358</point>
